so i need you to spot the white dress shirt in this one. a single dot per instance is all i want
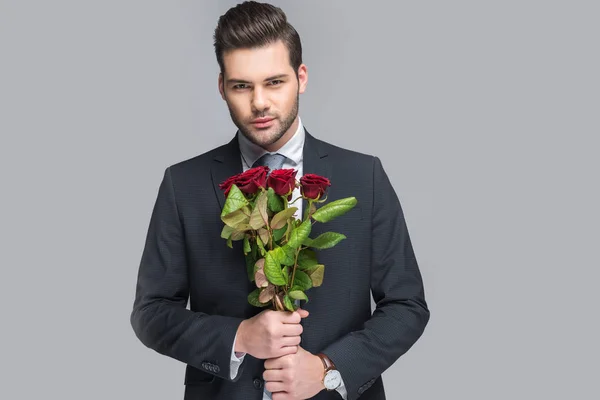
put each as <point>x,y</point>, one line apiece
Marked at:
<point>293,151</point>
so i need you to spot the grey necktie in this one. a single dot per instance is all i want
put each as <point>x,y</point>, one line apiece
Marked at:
<point>273,161</point>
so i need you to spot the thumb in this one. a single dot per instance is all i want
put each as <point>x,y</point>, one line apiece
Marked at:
<point>303,313</point>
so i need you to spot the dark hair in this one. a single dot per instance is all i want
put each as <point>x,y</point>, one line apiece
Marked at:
<point>252,24</point>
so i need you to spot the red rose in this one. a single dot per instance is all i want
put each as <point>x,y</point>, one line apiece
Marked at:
<point>248,182</point>
<point>282,181</point>
<point>313,186</point>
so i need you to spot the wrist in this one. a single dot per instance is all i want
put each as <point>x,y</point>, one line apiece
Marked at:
<point>319,371</point>
<point>239,341</point>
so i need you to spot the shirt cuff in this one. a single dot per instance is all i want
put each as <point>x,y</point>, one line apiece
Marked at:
<point>236,360</point>
<point>342,390</point>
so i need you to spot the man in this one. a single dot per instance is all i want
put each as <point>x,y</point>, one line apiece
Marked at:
<point>332,348</point>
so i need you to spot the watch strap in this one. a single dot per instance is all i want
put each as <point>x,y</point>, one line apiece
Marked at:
<point>323,358</point>
<point>327,363</point>
<point>328,366</point>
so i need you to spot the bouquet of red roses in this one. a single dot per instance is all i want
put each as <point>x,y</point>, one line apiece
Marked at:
<point>280,255</point>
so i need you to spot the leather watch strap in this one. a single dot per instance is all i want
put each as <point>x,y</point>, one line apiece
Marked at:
<point>327,363</point>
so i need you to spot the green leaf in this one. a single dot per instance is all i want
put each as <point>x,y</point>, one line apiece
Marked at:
<point>287,302</point>
<point>253,299</point>
<point>235,218</point>
<point>290,227</point>
<point>262,206</point>
<point>243,227</point>
<point>334,209</point>
<point>299,234</point>
<point>311,210</point>
<point>235,200</point>
<point>286,274</point>
<point>264,235</point>
<point>226,232</point>
<point>261,246</point>
<point>229,243</point>
<point>273,270</point>
<point>237,235</point>
<point>278,233</point>
<point>285,255</point>
<point>316,275</point>
<point>280,219</point>
<point>307,260</point>
<point>274,201</point>
<point>246,245</point>
<point>302,280</point>
<point>258,218</point>
<point>326,240</point>
<point>298,295</point>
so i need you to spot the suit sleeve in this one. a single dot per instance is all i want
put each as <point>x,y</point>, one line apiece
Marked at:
<point>401,312</point>
<point>160,318</point>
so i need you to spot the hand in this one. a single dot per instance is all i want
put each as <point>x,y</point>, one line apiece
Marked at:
<point>270,334</point>
<point>294,376</point>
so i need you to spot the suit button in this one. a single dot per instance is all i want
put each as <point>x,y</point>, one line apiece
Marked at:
<point>217,369</point>
<point>258,383</point>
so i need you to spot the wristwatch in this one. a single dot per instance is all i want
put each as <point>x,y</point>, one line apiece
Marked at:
<point>331,377</point>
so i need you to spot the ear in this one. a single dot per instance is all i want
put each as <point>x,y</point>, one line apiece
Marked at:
<point>221,86</point>
<point>302,78</point>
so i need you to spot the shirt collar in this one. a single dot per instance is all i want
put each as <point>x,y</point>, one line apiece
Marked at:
<point>292,149</point>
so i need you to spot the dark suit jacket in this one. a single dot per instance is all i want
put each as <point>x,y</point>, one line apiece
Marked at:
<point>184,256</point>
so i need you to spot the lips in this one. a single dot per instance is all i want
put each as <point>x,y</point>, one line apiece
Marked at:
<point>263,122</point>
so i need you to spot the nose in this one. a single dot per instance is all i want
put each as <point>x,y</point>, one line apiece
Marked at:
<point>259,100</point>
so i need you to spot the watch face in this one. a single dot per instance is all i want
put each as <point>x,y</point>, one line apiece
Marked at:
<point>332,380</point>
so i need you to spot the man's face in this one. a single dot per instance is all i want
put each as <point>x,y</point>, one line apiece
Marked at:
<point>261,91</point>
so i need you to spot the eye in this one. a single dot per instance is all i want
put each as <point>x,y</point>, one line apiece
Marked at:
<point>276,82</point>
<point>240,86</point>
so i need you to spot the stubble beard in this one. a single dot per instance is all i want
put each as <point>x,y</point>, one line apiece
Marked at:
<point>259,138</point>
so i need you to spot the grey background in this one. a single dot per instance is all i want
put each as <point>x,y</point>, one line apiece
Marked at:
<point>485,115</point>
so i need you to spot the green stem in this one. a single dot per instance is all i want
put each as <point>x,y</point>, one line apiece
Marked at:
<point>295,266</point>
<point>270,237</point>
<point>307,213</point>
<point>295,200</point>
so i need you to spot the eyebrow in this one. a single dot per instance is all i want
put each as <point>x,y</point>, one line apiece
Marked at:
<point>234,80</point>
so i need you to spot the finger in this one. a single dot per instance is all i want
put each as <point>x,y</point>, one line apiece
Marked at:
<point>292,330</point>
<point>303,313</point>
<point>273,363</point>
<point>290,317</point>
<point>273,375</point>
<point>284,351</point>
<point>275,387</point>
<point>290,341</point>
<point>282,396</point>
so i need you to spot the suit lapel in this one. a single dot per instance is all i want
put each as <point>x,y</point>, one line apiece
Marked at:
<point>226,163</point>
<point>315,160</point>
